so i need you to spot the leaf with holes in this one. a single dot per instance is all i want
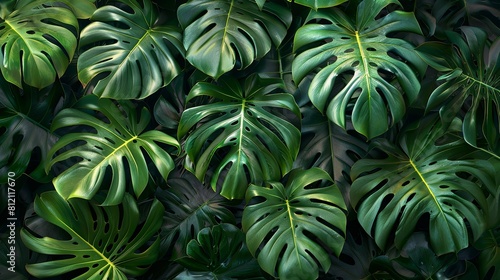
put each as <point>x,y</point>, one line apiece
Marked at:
<point>116,144</point>
<point>329,147</point>
<point>288,227</point>
<point>132,56</point>
<point>219,34</point>
<point>471,71</point>
<point>379,69</point>
<point>219,252</point>
<point>25,118</point>
<point>431,173</point>
<point>37,42</point>
<point>245,124</point>
<point>189,207</point>
<point>317,4</point>
<point>104,242</point>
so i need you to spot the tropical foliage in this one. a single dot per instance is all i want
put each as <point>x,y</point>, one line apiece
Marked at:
<point>250,139</point>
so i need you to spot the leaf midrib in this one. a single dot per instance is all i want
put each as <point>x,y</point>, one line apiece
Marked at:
<point>292,228</point>
<point>105,159</point>
<point>428,187</point>
<point>224,35</point>
<point>110,263</point>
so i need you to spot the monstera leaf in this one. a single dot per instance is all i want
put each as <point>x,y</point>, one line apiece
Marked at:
<point>430,173</point>
<point>219,253</point>
<point>189,207</point>
<point>230,32</point>
<point>286,223</point>
<point>341,46</point>
<point>37,42</point>
<point>133,56</point>
<point>104,243</point>
<point>329,147</point>
<point>122,138</point>
<point>256,138</point>
<point>471,71</point>
<point>25,118</point>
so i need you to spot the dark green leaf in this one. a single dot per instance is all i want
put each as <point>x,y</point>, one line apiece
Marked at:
<point>189,207</point>
<point>316,4</point>
<point>340,46</point>
<point>25,117</point>
<point>219,34</point>
<point>243,123</point>
<point>472,71</point>
<point>424,174</point>
<point>219,252</point>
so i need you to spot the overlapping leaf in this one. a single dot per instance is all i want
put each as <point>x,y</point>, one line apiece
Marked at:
<point>429,173</point>
<point>115,145</point>
<point>230,32</point>
<point>37,42</point>
<point>219,252</point>
<point>240,122</point>
<point>189,207</point>
<point>471,76</point>
<point>133,56</point>
<point>286,223</point>
<point>104,243</point>
<point>384,69</point>
<point>25,118</point>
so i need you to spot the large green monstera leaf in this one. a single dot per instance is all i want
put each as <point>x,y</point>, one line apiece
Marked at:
<point>25,118</point>
<point>219,252</point>
<point>116,144</point>
<point>378,69</point>
<point>132,56</point>
<point>430,173</point>
<point>230,32</point>
<point>471,80</point>
<point>104,242</point>
<point>37,42</point>
<point>243,124</point>
<point>285,224</point>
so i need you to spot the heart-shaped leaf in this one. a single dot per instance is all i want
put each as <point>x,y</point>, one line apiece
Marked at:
<point>105,242</point>
<point>289,226</point>
<point>118,138</point>
<point>431,173</point>
<point>242,123</point>
<point>37,42</point>
<point>132,56</point>
<point>378,69</point>
<point>230,32</point>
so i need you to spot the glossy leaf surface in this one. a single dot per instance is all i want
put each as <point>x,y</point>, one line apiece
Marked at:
<point>120,144</point>
<point>130,55</point>
<point>105,242</point>
<point>37,42</point>
<point>230,32</point>
<point>241,121</point>
<point>420,177</point>
<point>341,46</point>
<point>280,225</point>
